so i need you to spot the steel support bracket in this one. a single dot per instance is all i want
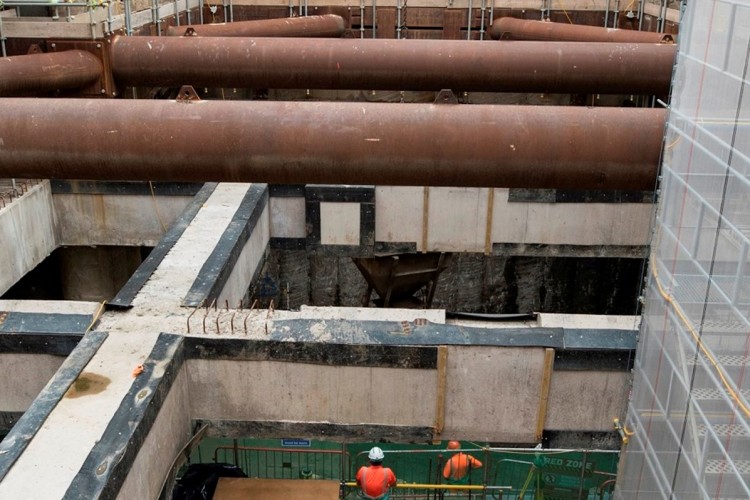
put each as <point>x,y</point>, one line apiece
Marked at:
<point>190,31</point>
<point>446,96</point>
<point>105,85</point>
<point>187,94</point>
<point>34,48</point>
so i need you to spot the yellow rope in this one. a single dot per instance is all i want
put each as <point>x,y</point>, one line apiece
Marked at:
<point>156,206</point>
<point>96,316</point>
<point>699,342</point>
<point>565,12</point>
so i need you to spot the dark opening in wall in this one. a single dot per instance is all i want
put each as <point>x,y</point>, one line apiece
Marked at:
<point>80,273</point>
<point>471,283</point>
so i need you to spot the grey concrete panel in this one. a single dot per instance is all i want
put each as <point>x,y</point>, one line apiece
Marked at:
<point>493,394</point>
<point>23,376</point>
<point>170,432</point>
<point>269,390</point>
<point>116,219</point>
<point>586,400</point>
<point>29,233</point>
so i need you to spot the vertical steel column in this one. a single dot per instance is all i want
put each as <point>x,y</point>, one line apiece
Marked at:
<point>128,18</point>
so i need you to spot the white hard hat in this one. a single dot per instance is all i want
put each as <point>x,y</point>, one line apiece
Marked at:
<point>376,454</point>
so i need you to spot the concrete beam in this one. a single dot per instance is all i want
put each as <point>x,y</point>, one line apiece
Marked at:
<point>28,228</point>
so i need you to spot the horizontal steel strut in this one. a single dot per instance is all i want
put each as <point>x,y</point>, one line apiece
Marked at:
<point>332,142</point>
<point>383,64</point>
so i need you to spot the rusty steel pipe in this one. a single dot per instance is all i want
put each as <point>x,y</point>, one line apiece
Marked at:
<point>332,143</point>
<point>328,25</point>
<point>510,28</point>
<point>381,64</point>
<point>34,73</point>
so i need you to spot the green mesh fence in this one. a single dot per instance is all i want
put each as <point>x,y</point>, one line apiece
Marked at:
<point>522,474</point>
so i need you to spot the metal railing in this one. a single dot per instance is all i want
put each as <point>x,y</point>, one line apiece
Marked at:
<point>506,473</point>
<point>284,463</point>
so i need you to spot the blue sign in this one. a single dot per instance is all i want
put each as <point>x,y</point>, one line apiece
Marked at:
<point>295,443</point>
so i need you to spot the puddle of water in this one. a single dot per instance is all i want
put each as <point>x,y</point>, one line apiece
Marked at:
<point>86,384</point>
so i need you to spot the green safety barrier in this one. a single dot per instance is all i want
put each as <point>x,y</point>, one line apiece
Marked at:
<point>516,475</point>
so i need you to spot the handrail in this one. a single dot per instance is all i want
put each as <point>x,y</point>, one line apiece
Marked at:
<point>423,486</point>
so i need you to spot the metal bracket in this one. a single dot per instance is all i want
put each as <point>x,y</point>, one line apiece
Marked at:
<point>446,96</point>
<point>34,48</point>
<point>105,86</point>
<point>190,32</point>
<point>187,94</point>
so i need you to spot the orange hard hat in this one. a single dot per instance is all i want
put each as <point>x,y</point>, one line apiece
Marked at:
<point>454,445</point>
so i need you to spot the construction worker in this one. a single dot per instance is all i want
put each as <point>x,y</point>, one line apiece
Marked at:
<point>375,481</point>
<point>456,469</point>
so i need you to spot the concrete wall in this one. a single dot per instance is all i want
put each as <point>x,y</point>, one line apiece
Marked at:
<point>287,217</point>
<point>270,390</point>
<point>457,220</point>
<point>22,376</point>
<point>120,220</point>
<point>587,400</point>
<point>28,234</point>
<point>169,434</point>
<point>491,394</point>
<point>247,264</point>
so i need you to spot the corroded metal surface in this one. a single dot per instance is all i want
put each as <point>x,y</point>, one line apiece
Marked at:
<point>328,25</point>
<point>332,143</point>
<point>34,73</point>
<point>510,28</point>
<point>461,65</point>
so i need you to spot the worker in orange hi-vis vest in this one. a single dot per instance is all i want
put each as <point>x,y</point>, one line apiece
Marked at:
<point>456,469</point>
<point>375,481</point>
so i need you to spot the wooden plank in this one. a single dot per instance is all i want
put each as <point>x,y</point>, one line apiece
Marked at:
<point>236,488</point>
<point>549,360</point>
<point>488,227</point>
<point>423,17</point>
<point>386,17</point>
<point>453,22</point>
<point>442,371</point>
<point>416,34</point>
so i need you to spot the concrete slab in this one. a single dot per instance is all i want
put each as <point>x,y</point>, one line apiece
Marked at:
<point>588,321</point>
<point>371,314</point>
<point>173,278</point>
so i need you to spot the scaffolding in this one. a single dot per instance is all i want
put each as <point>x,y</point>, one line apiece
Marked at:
<point>689,409</point>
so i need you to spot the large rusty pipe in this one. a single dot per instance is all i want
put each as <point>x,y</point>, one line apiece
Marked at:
<point>332,143</point>
<point>328,25</point>
<point>510,28</point>
<point>380,64</point>
<point>34,73</point>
